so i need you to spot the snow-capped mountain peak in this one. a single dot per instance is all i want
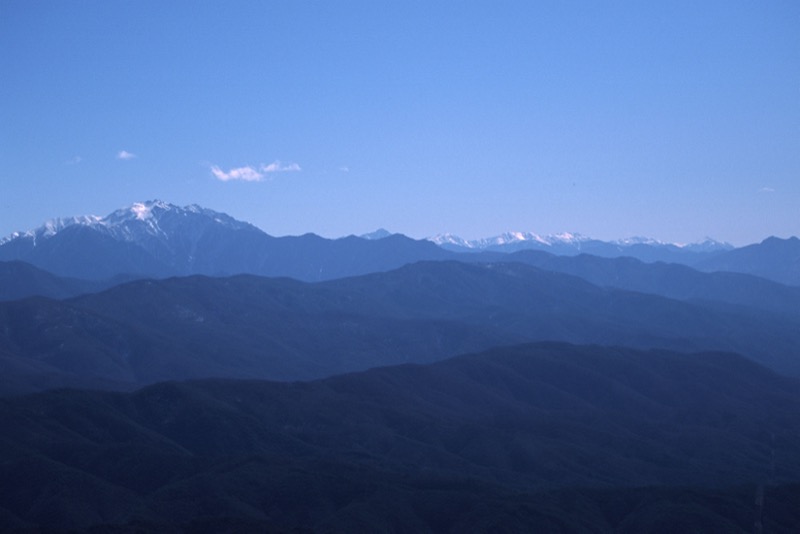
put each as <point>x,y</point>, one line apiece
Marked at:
<point>566,243</point>
<point>143,210</point>
<point>150,224</point>
<point>446,239</point>
<point>640,240</point>
<point>139,211</point>
<point>153,237</point>
<point>509,240</point>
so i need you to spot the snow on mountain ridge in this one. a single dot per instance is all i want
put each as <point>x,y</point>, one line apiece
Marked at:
<point>52,227</point>
<point>509,238</point>
<point>450,239</point>
<point>531,240</point>
<point>640,240</point>
<point>141,220</point>
<point>380,233</point>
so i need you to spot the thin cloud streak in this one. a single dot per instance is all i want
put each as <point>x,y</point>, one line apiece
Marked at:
<point>248,173</point>
<point>766,190</point>
<point>277,166</point>
<point>245,174</point>
<point>73,161</point>
<point>125,155</point>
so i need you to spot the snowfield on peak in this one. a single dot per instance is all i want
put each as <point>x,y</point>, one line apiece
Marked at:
<point>139,221</point>
<point>514,240</point>
<point>561,242</point>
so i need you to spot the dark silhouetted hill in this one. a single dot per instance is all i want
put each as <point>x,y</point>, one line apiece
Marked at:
<point>544,437</point>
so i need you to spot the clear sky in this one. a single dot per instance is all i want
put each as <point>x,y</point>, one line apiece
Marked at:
<point>674,120</point>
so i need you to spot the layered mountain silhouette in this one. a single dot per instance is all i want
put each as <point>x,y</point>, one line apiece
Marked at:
<point>671,280</point>
<point>253,327</point>
<point>156,239</point>
<point>546,436</point>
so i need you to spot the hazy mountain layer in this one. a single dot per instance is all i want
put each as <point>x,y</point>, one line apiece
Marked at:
<point>774,258</point>
<point>20,280</point>
<point>246,326</point>
<point>671,280</point>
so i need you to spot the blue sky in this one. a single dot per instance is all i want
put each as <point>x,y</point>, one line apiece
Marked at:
<point>674,120</point>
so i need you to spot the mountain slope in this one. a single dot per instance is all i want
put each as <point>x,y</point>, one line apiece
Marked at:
<point>478,442</point>
<point>245,326</point>
<point>774,258</point>
<point>671,280</point>
<point>19,280</point>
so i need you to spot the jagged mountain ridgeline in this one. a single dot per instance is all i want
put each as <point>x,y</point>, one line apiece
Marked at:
<point>158,239</point>
<point>570,244</point>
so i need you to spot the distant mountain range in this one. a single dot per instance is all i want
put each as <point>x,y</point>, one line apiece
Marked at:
<point>571,244</point>
<point>156,240</point>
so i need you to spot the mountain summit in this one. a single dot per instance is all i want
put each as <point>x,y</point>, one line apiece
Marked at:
<point>151,238</point>
<point>139,223</point>
<point>157,239</point>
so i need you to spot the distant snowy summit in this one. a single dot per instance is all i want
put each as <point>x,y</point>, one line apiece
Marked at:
<point>380,233</point>
<point>567,243</point>
<point>155,239</point>
<point>142,221</point>
<point>508,240</point>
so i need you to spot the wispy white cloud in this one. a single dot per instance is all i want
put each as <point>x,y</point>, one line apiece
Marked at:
<point>73,161</point>
<point>124,154</point>
<point>277,166</point>
<point>344,168</point>
<point>250,173</point>
<point>246,174</point>
<point>766,190</point>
